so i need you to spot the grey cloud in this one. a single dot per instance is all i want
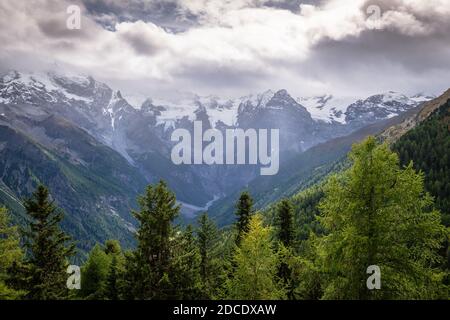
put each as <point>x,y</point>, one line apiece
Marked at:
<point>218,78</point>
<point>141,44</point>
<point>56,28</point>
<point>378,61</point>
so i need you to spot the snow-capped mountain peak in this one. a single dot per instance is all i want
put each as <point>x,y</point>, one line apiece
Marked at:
<point>380,106</point>
<point>20,87</point>
<point>422,97</point>
<point>95,99</point>
<point>327,108</point>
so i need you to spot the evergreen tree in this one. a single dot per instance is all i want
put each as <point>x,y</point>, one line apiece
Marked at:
<point>114,251</point>
<point>285,223</point>
<point>10,254</point>
<point>184,273</point>
<point>48,249</point>
<point>305,271</point>
<point>377,214</point>
<point>146,275</point>
<point>94,274</point>
<point>243,213</point>
<point>112,286</point>
<point>101,271</point>
<point>207,238</point>
<point>112,248</point>
<point>256,266</point>
<point>285,235</point>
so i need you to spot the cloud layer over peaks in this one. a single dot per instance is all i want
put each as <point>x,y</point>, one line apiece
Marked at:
<point>233,47</point>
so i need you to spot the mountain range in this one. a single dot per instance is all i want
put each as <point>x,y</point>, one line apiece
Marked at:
<point>96,152</point>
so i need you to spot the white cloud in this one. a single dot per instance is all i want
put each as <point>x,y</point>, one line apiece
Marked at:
<point>233,39</point>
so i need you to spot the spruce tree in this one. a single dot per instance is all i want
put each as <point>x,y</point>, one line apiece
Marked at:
<point>48,249</point>
<point>377,214</point>
<point>285,235</point>
<point>147,268</point>
<point>207,237</point>
<point>243,213</point>
<point>285,223</point>
<point>255,275</point>
<point>184,273</point>
<point>10,254</point>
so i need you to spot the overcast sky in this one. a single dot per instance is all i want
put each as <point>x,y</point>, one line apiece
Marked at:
<point>236,47</point>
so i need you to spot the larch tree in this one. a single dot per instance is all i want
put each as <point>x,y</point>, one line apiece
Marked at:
<point>377,215</point>
<point>10,254</point>
<point>255,274</point>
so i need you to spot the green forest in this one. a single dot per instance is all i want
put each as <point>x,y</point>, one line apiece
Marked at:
<point>378,214</point>
<point>428,145</point>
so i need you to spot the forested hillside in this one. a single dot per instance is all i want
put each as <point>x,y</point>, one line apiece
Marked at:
<point>318,245</point>
<point>427,146</point>
<point>80,173</point>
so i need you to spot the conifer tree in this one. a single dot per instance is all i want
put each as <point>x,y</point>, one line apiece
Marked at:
<point>377,214</point>
<point>112,286</point>
<point>285,235</point>
<point>147,268</point>
<point>117,260</point>
<point>207,237</point>
<point>94,274</point>
<point>255,276</point>
<point>285,223</point>
<point>112,248</point>
<point>243,213</point>
<point>10,254</point>
<point>184,271</point>
<point>48,249</point>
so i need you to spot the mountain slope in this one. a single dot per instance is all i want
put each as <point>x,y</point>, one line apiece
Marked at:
<point>91,182</point>
<point>428,146</point>
<point>425,140</point>
<point>302,171</point>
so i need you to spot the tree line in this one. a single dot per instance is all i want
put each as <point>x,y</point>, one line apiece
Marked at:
<point>374,215</point>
